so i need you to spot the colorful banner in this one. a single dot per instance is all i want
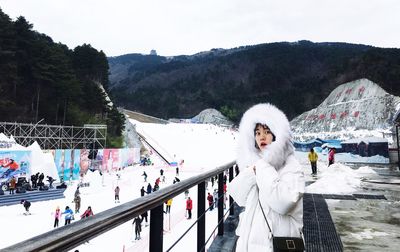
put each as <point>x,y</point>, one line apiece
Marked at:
<point>59,159</point>
<point>14,163</point>
<point>111,160</point>
<point>71,164</point>
<point>75,163</point>
<point>84,161</point>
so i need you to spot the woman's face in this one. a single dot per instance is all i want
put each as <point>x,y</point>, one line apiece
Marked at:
<point>263,137</point>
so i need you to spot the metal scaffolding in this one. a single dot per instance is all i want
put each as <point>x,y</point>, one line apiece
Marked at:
<point>57,136</point>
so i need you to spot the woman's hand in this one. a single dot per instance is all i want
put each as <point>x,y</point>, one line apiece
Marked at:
<point>260,164</point>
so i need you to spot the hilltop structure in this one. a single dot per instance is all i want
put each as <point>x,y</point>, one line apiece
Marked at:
<point>212,116</point>
<point>360,108</point>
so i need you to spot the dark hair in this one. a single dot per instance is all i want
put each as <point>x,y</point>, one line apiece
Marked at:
<point>265,127</point>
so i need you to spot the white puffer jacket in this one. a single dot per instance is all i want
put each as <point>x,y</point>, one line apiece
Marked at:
<point>278,182</point>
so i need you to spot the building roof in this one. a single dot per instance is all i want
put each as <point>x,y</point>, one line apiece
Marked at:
<point>366,140</point>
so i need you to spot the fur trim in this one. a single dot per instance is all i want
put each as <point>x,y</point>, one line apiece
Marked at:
<point>277,152</point>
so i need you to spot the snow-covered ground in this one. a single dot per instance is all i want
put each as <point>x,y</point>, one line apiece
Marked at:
<point>202,147</point>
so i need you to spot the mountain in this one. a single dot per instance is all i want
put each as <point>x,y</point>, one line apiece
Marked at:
<point>359,108</point>
<point>296,77</point>
<point>41,80</point>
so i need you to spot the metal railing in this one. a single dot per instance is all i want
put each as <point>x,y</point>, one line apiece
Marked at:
<point>68,237</point>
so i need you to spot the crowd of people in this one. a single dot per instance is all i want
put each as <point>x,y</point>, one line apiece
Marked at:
<point>36,182</point>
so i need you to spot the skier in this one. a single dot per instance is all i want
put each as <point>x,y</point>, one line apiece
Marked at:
<point>77,201</point>
<point>210,199</point>
<point>77,192</point>
<point>162,175</point>
<point>27,205</point>
<point>69,215</point>
<point>116,196</point>
<point>313,157</point>
<point>331,156</point>
<point>142,191</point>
<point>215,195</point>
<point>57,216</point>
<point>87,213</point>
<point>149,189</point>
<point>145,176</point>
<point>144,216</point>
<point>138,227</point>
<point>169,203</point>
<point>176,180</point>
<point>156,187</point>
<point>189,206</point>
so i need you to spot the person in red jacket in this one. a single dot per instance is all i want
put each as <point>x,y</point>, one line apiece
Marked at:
<point>87,213</point>
<point>210,199</point>
<point>189,206</point>
<point>331,156</point>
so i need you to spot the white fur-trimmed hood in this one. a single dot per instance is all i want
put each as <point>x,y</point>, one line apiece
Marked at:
<point>277,152</point>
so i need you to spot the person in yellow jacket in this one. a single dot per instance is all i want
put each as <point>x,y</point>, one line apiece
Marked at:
<point>169,203</point>
<point>313,157</point>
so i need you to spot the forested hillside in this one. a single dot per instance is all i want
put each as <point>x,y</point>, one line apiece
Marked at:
<point>40,79</point>
<point>295,76</point>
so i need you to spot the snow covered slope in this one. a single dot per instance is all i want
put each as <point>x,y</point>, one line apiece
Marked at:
<point>359,108</point>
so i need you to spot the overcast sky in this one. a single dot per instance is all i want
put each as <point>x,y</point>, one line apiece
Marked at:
<point>175,27</point>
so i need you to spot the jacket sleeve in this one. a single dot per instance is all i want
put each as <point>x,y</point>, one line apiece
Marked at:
<point>280,191</point>
<point>241,185</point>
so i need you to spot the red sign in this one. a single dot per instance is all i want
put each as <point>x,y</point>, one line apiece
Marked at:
<point>348,91</point>
<point>344,114</point>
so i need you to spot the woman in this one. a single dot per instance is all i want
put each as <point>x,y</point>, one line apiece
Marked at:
<point>269,175</point>
<point>87,213</point>
<point>69,215</point>
<point>57,216</point>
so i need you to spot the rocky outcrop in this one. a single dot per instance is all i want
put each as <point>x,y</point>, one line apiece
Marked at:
<point>356,106</point>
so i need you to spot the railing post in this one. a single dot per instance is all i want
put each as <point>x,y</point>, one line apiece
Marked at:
<point>398,144</point>
<point>221,203</point>
<point>232,209</point>
<point>201,224</point>
<point>156,229</point>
